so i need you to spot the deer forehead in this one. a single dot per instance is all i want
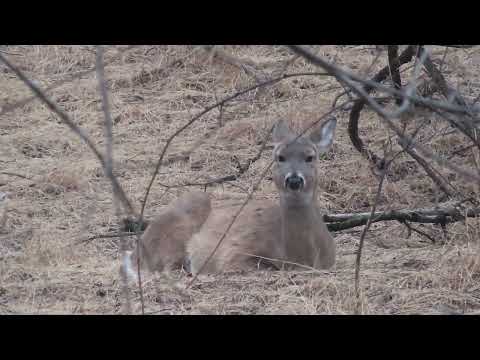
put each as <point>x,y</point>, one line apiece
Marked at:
<point>301,147</point>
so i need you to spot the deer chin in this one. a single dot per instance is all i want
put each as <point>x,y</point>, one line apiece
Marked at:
<point>297,198</point>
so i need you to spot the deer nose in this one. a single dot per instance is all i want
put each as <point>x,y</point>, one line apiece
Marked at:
<point>294,182</point>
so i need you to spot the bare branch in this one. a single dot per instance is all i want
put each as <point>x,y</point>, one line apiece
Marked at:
<point>418,231</point>
<point>109,162</point>
<point>104,236</point>
<point>14,174</point>
<point>428,169</point>
<point>445,213</point>
<point>364,232</point>
<point>387,117</point>
<point>199,115</point>
<point>74,127</point>
<point>249,196</point>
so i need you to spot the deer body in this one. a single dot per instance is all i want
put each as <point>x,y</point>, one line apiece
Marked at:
<point>265,234</point>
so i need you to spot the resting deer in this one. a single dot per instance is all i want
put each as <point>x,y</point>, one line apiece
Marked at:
<point>291,231</point>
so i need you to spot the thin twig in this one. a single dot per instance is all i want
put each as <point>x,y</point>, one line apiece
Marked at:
<point>349,79</point>
<point>285,262</point>
<point>254,188</point>
<point>203,112</point>
<point>14,174</point>
<point>104,236</point>
<point>74,127</point>
<point>362,238</point>
<point>109,163</point>
<point>237,214</point>
<point>418,231</point>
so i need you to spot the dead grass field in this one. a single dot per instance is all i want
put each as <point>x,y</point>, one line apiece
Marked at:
<point>65,196</point>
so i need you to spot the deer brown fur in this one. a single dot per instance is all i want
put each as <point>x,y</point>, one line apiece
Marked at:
<point>289,231</point>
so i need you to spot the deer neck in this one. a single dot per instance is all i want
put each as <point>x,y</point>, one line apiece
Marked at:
<point>299,221</point>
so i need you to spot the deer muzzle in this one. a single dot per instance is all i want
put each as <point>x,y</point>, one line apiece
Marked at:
<point>294,182</point>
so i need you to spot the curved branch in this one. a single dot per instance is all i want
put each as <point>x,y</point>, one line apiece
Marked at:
<point>359,104</point>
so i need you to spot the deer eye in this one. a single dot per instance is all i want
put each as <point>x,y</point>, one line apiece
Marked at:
<point>309,159</point>
<point>281,158</point>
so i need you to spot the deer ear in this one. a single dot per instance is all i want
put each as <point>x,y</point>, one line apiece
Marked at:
<point>323,136</point>
<point>281,131</point>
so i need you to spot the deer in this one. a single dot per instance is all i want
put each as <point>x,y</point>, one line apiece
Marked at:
<point>288,234</point>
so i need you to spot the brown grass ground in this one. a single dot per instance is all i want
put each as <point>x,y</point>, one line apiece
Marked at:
<point>66,197</point>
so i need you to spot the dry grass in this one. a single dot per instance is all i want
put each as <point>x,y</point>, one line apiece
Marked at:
<point>65,196</point>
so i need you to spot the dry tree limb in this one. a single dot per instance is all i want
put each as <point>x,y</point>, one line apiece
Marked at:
<point>14,174</point>
<point>250,194</point>
<point>352,79</point>
<point>362,237</point>
<point>105,236</point>
<point>444,213</point>
<point>439,80</point>
<point>109,169</point>
<point>359,104</point>
<point>74,127</point>
<point>242,169</point>
<point>418,231</point>
<point>451,95</point>
<point>216,181</point>
<point>441,183</point>
<point>237,214</point>
<point>199,115</point>
<point>394,66</point>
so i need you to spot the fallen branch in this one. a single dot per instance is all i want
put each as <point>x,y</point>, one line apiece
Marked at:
<point>440,215</point>
<point>337,222</point>
<point>14,174</point>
